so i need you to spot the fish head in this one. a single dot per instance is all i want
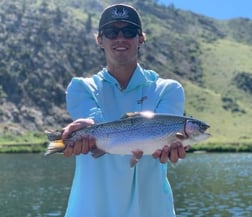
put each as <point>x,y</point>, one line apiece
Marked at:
<point>196,129</point>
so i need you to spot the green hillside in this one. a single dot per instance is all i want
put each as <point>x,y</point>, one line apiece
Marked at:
<point>45,43</point>
<point>227,108</point>
<point>231,106</point>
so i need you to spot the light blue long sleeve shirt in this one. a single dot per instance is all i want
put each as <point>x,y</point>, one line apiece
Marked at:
<point>107,186</point>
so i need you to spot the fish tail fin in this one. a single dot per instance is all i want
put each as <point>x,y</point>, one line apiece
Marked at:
<point>56,143</point>
<point>55,146</point>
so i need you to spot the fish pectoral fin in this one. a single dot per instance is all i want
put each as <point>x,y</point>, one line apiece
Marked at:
<point>55,146</point>
<point>96,152</point>
<point>136,156</point>
<point>181,136</point>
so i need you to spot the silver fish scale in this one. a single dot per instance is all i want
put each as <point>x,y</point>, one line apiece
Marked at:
<point>126,135</point>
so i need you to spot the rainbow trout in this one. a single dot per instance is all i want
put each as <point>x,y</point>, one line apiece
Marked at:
<point>144,131</point>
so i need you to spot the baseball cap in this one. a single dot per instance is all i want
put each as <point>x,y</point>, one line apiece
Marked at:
<point>120,12</point>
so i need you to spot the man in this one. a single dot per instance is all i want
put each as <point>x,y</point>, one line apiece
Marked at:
<point>107,186</point>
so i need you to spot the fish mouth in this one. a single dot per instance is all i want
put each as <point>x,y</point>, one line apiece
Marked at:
<point>204,127</point>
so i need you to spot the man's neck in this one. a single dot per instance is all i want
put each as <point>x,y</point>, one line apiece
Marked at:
<point>122,73</point>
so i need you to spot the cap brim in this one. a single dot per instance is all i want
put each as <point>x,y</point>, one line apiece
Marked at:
<point>121,20</point>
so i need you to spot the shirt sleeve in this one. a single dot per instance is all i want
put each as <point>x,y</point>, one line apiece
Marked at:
<point>172,98</point>
<point>81,101</point>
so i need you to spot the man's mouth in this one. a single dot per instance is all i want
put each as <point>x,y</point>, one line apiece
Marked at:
<point>120,48</point>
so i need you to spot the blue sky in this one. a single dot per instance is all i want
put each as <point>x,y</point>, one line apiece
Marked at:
<point>219,9</point>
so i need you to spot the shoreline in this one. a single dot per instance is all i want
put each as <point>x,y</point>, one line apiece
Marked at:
<point>205,147</point>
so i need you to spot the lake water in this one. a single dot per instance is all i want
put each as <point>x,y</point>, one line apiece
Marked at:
<point>209,185</point>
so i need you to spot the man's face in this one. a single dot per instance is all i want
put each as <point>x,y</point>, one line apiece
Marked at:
<point>120,42</point>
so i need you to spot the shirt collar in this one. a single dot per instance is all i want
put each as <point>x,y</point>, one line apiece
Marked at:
<point>139,77</point>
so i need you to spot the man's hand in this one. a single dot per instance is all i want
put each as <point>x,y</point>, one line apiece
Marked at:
<point>84,144</point>
<point>171,152</point>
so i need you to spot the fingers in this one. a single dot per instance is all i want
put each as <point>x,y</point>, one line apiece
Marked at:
<point>177,151</point>
<point>162,154</point>
<point>76,125</point>
<point>165,154</point>
<point>173,152</point>
<point>82,146</point>
<point>68,150</point>
<point>87,144</point>
<point>136,155</point>
<point>157,153</point>
<point>91,143</point>
<point>78,146</point>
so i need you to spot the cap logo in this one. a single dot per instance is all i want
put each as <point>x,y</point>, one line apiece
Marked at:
<point>119,14</point>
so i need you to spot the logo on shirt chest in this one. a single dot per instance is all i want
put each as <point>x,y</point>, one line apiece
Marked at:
<point>140,101</point>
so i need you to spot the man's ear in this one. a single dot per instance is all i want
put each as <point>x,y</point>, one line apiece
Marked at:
<point>99,42</point>
<point>141,40</point>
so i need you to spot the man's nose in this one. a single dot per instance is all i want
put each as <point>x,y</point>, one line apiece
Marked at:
<point>120,35</point>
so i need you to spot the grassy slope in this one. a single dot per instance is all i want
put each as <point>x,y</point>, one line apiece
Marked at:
<point>221,61</point>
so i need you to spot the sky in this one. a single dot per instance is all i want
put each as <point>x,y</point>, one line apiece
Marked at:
<point>219,9</point>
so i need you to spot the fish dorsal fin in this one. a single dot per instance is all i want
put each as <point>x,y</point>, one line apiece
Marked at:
<point>145,114</point>
<point>130,115</point>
